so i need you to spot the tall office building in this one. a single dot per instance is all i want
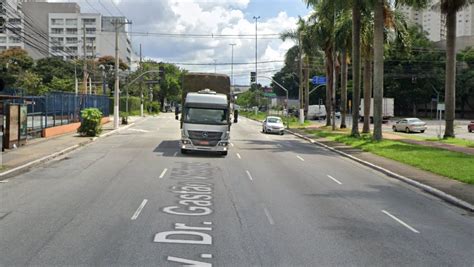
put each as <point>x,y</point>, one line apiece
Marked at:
<point>434,23</point>
<point>11,25</point>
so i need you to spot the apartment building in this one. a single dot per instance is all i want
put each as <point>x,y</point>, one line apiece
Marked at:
<point>58,29</point>
<point>11,25</point>
<point>434,23</point>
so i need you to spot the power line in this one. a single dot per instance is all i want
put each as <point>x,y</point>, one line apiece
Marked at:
<point>116,7</point>
<point>104,7</point>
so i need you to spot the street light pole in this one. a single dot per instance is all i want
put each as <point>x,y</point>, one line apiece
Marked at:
<point>232,65</point>
<point>117,24</point>
<point>256,18</point>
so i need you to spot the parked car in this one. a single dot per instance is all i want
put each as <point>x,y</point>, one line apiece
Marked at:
<point>410,125</point>
<point>470,127</point>
<point>273,124</point>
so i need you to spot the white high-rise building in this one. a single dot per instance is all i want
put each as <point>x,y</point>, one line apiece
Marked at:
<point>434,23</point>
<point>11,25</point>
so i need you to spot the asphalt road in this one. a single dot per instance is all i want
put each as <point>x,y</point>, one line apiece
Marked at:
<point>133,199</point>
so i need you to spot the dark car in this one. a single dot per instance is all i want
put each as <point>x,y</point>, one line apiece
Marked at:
<point>470,127</point>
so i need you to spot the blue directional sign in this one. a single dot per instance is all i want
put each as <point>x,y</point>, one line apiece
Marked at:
<point>316,80</point>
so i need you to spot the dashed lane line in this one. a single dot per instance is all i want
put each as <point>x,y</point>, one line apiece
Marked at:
<point>163,173</point>
<point>269,216</point>
<point>238,155</point>
<point>334,179</point>
<point>400,222</point>
<point>249,175</point>
<point>140,208</point>
<point>300,158</point>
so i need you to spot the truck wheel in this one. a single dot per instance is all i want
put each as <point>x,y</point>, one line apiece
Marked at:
<point>422,131</point>
<point>394,128</point>
<point>184,151</point>
<point>407,130</point>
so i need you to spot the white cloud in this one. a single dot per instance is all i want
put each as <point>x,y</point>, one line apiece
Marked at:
<point>221,17</point>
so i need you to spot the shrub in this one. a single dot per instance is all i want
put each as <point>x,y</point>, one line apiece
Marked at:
<point>152,107</point>
<point>90,125</point>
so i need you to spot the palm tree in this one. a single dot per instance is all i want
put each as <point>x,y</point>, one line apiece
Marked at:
<point>450,9</point>
<point>367,54</point>
<point>344,41</point>
<point>381,18</point>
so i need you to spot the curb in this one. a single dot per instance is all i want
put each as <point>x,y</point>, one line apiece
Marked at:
<point>431,190</point>
<point>24,167</point>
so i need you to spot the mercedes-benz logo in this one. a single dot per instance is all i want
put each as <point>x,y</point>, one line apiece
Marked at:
<point>205,134</point>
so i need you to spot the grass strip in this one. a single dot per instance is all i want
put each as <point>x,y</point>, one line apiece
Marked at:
<point>455,165</point>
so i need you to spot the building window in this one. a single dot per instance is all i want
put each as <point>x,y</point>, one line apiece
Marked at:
<point>3,39</point>
<point>57,22</point>
<point>14,39</point>
<point>14,21</point>
<point>72,49</point>
<point>88,21</point>
<point>57,49</point>
<point>71,31</point>
<point>56,40</point>
<point>3,48</point>
<point>90,39</point>
<point>71,40</point>
<point>71,22</point>
<point>90,30</point>
<point>57,30</point>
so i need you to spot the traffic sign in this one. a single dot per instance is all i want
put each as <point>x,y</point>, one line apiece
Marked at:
<point>271,95</point>
<point>316,80</point>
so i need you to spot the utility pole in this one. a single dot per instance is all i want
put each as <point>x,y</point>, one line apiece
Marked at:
<point>256,47</point>
<point>76,82</point>
<point>300,57</point>
<point>84,44</point>
<point>117,25</point>
<point>141,90</point>
<point>232,66</point>
<point>215,66</point>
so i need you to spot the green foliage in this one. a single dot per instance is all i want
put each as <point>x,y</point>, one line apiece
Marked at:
<point>13,63</point>
<point>152,107</point>
<point>59,84</point>
<point>450,164</point>
<point>52,67</point>
<point>32,83</point>
<point>90,125</point>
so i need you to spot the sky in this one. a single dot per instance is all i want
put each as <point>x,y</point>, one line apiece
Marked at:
<point>211,18</point>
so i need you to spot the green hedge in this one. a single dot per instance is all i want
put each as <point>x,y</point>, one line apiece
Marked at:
<point>133,105</point>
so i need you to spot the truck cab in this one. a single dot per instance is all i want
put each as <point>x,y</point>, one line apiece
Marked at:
<point>205,122</point>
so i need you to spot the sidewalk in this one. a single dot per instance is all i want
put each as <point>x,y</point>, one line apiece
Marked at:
<point>452,187</point>
<point>43,147</point>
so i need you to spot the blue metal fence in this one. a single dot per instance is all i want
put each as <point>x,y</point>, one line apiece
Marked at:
<point>59,108</point>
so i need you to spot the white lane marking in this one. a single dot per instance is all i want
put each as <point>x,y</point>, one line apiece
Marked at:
<point>135,215</point>
<point>206,256</point>
<point>232,144</point>
<point>300,158</point>
<point>249,175</point>
<point>266,136</point>
<point>138,130</point>
<point>175,153</point>
<point>269,217</point>
<point>334,179</point>
<point>4,182</point>
<point>400,221</point>
<point>238,155</point>
<point>163,173</point>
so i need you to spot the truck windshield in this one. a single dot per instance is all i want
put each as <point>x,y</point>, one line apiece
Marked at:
<point>205,116</point>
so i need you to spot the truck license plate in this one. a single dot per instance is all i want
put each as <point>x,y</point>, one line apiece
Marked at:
<point>204,142</point>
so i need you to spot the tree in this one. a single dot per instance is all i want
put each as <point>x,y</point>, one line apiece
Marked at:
<point>32,83</point>
<point>110,61</point>
<point>51,67</point>
<point>13,62</point>
<point>450,9</point>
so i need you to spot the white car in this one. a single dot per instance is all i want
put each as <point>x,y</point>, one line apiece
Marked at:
<point>273,124</point>
<point>409,125</point>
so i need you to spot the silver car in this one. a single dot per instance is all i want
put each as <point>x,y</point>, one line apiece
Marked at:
<point>409,125</point>
<point>273,124</point>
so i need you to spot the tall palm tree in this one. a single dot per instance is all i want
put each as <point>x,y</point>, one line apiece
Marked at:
<point>450,9</point>
<point>367,54</point>
<point>356,28</point>
<point>344,42</point>
<point>380,19</point>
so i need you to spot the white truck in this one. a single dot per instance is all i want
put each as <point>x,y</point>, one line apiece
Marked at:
<point>388,108</point>
<point>316,112</point>
<point>206,113</point>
